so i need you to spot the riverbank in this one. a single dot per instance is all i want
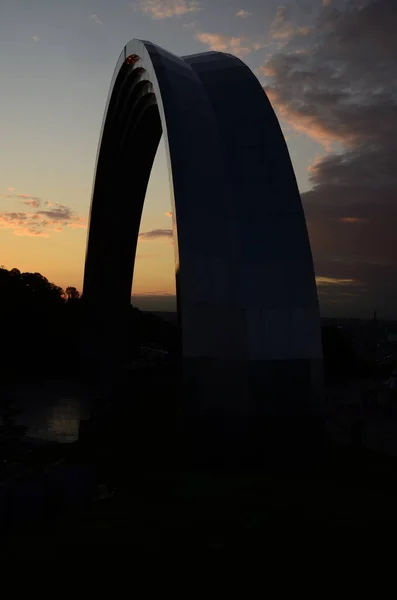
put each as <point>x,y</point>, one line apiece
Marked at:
<point>129,482</point>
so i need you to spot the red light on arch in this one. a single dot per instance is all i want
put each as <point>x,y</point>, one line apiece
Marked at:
<point>132,59</point>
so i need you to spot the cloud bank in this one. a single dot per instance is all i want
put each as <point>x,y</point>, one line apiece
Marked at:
<point>164,9</point>
<point>338,84</point>
<point>240,46</point>
<point>156,234</point>
<point>39,223</point>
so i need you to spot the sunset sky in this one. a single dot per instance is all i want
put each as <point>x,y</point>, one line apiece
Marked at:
<point>329,68</point>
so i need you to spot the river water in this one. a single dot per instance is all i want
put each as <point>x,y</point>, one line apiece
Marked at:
<point>52,411</point>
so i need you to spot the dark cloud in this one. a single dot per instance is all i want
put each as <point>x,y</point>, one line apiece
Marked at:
<point>22,224</point>
<point>62,215</point>
<point>156,233</point>
<point>339,84</point>
<point>33,201</point>
<point>281,17</point>
<point>42,222</point>
<point>25,197</point>
<point>59,214</point>
<point>14,216</point>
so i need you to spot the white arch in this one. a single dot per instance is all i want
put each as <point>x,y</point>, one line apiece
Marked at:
<point>245,275</point>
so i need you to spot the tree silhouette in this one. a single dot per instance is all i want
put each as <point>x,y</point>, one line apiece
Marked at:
<point>72,293</point>
<point>32,327</point>
<point>43,328</point>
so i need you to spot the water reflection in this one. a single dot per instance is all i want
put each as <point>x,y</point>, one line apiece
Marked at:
<point>52,413</point>
<point>56,423</point>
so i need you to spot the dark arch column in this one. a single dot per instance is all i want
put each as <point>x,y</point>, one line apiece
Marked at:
<point>247,295</point>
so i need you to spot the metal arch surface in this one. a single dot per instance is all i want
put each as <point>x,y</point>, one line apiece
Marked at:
<point>190,139</point>
<point>245,277</point>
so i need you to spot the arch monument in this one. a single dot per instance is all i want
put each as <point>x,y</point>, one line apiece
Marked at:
<point>246,291</point>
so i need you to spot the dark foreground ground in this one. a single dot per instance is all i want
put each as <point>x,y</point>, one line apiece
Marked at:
<point>239,511</point>
<point>131,484</point>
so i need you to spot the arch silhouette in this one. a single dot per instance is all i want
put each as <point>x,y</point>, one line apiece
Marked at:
<point>245,279</point>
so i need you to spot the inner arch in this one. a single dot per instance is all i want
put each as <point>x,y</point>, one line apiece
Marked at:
<point>131,134</point>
